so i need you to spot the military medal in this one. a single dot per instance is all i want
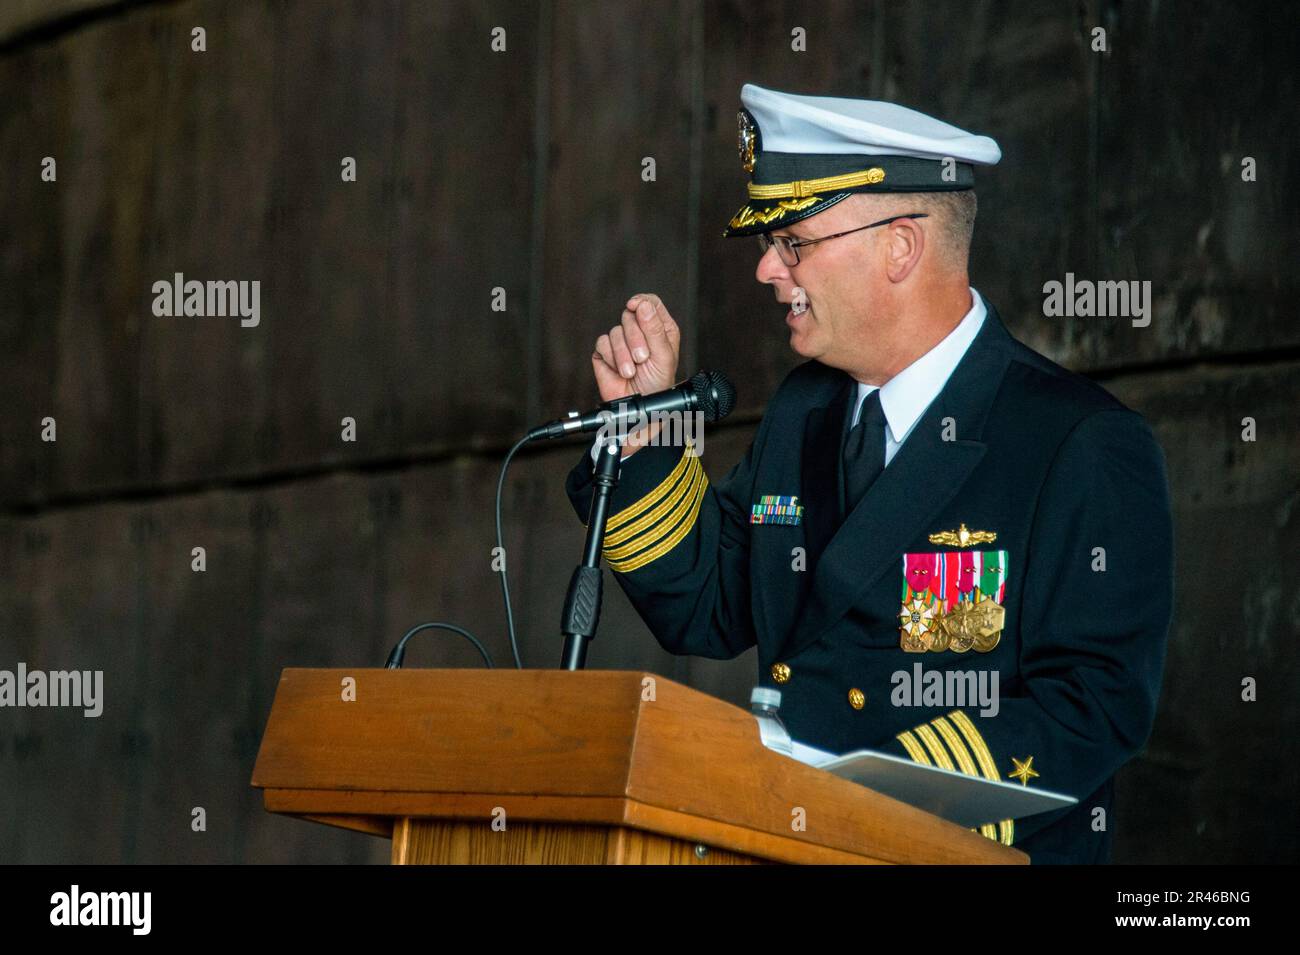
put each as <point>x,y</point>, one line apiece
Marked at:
<point>916,623</point>
<point>939,639</point>
<point>990,614</point>
<point>959,624</point>
<point>953,600</point>
<point>989,617</point>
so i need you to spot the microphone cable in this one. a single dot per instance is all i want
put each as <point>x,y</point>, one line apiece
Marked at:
<point>399,651</point>
<point>505,587</point>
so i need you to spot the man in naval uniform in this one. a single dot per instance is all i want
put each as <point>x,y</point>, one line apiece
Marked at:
<point>923,488</point>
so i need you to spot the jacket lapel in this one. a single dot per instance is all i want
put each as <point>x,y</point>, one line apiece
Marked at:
<point>922,478</point>
<point>780,607</point>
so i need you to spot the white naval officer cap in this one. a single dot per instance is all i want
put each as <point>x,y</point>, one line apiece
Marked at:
<point>806,153</point>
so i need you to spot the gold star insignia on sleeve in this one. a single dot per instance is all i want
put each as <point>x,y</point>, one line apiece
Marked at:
<point>1023,770</point>
<point>963,537</point>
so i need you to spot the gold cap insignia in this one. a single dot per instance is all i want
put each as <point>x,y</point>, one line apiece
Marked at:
<point>745,141</point>
<point>963,537</point>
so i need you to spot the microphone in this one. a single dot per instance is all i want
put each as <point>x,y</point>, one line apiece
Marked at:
<point>709,392</point>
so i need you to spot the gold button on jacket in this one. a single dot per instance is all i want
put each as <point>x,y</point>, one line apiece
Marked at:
<point>856,698</point>
<point>781,672</point>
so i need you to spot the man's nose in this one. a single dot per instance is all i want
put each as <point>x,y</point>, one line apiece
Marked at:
<point>770,268</point>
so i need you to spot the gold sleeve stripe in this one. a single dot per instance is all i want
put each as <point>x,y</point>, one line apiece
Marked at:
<point>683,528</point>
<point>977,744</point>
<point>684,487</point>
<point>964,761</point>
<point>918,754</point>
<point>913,748</point>
<point>628,513</point>
<point>681,502</point>
<point>935,747</point>
<point>955,744</point>
<point>666,534</point>
<point>987,764</point>
<point>1007,828</point>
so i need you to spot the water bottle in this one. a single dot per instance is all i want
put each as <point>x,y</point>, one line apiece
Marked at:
<point>765,704</point>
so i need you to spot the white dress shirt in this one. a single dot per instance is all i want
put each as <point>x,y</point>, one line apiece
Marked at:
<point>905,397</point>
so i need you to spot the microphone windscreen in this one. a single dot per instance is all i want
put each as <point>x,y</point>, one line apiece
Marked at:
<point>715,393</point>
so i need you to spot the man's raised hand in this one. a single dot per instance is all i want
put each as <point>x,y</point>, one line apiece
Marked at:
<point>638,355</point>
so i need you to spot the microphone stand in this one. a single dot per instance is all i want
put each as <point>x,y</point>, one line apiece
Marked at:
<point>582,604</point>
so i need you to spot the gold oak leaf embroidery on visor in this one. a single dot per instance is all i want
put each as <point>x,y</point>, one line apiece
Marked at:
<point>655,524</point>
<point>747,216</point>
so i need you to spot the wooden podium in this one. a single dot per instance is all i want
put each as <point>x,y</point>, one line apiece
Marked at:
<point>551,766</point>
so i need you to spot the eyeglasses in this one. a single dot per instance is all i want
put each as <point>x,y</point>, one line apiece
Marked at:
<point>788,248</point>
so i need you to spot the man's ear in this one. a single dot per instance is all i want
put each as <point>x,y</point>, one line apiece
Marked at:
<point>903,248</point>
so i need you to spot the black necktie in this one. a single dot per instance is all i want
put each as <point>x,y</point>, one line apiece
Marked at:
<point>864,451</point>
